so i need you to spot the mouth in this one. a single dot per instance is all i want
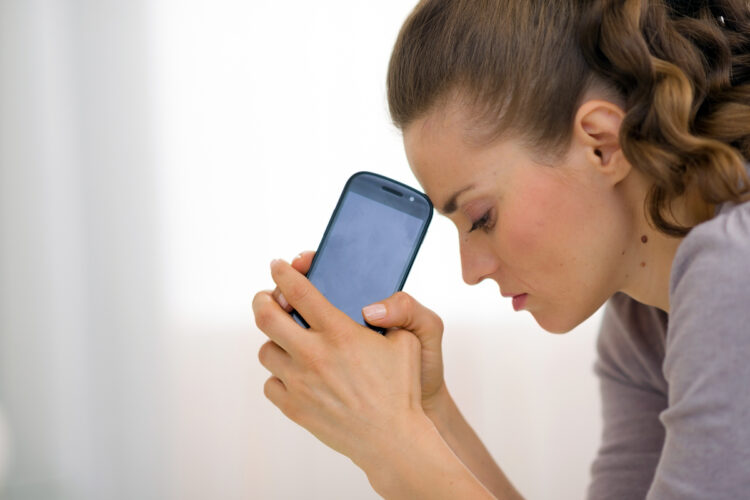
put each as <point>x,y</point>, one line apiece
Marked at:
<point>519,301</point>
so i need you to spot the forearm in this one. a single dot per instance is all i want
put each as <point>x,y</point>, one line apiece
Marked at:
<point>467,446</point>
<point>416,462</point>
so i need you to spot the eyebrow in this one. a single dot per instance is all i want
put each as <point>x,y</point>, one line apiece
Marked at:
<point>450,206</point>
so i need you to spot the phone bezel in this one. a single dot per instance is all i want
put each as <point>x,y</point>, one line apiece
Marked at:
<point>370,185</point>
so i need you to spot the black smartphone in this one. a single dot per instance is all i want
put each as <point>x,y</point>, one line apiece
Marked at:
<point>370,244</point>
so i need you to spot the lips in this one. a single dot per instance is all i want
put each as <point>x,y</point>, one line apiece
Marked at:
<point>519,301</point>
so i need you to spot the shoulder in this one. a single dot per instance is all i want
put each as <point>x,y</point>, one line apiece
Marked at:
<point>716,252</point>
<point>709,290</point>
<point>707,448</point>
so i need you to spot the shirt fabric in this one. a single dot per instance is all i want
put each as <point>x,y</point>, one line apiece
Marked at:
<point>676,387</point>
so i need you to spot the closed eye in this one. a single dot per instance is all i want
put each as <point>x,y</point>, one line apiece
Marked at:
<point>483,222</point>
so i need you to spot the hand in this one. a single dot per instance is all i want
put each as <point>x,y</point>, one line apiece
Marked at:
<point>354,389</point>
<point>402,312</point>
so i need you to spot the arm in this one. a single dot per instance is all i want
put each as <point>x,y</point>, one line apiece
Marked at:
<point>466,445</point>
<point>402,311</point>
<point>630,349</point>
<point>358,392</point>
<point>707,445</point>
<point>416,463</point>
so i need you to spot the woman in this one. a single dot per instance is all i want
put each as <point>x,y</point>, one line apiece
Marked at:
<point>588,152</point>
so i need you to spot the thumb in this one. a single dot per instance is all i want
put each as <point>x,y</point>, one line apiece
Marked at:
<point>401,310</point>
<point>302,261</point>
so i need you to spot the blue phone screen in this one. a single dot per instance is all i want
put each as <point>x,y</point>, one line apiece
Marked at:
<point>365,254</point>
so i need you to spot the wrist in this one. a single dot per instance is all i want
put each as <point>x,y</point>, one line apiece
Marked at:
<point>414,461</point>
<point>439,408</point>
<point>386,451</point>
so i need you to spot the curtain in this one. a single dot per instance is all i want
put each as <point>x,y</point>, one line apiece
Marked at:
<point>80,351</point>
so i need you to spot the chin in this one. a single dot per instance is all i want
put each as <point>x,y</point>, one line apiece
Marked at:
<point>557,323</point>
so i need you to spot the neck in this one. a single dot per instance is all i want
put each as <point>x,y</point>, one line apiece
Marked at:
<point>649,267</point>
<point>649,257</point>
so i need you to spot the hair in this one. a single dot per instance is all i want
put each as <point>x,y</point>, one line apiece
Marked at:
<point>680,68</point>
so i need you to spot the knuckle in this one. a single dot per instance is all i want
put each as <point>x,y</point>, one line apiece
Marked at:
<point>439,325</point>
<point>413,341</point>
<point>408,340</point>
<point>263,352</point>
<point>271,390</point>
<point>297,292</point>
<point>408,308</point>
<point>267,388</point>
<point>257,300</point>
<point>263,316</point>
<point>263,319</point>
<point>403,299</point>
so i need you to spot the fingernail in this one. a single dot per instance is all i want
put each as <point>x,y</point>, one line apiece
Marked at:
<point>298,256</point>
<point>282,301</point>
<point>374,312</point>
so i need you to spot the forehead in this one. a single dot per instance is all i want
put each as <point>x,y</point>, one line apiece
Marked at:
<point>445,159</point>
<point>437,150</point>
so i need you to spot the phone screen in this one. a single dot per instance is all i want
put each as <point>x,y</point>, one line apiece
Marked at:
<point>370,244</point>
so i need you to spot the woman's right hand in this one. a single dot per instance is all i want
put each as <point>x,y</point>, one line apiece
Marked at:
<point>404,312</point>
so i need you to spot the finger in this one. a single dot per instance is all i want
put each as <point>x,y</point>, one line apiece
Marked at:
<point>277,324</point>
<point>302,264</point>
<point>276,393</point>
<point>281,300</point>
<point>303,296</point>
<point>275,359</point>
<point>302,261</point>
<point>401,310</point>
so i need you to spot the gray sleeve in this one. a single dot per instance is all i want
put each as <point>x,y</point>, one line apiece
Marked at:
<point>629,373</point>
<point>707,365</point>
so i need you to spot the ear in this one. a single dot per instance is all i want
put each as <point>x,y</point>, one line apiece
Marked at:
<point>596,130</point>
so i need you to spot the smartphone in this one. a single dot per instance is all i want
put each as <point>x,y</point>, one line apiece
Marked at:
<point>369,244</point>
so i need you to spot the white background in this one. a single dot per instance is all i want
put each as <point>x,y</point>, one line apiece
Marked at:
<point>227,129</point>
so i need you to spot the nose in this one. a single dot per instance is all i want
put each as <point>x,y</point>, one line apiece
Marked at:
<point>477,262</point>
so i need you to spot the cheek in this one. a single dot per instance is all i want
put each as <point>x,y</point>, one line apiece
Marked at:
<point>534,224</point>
<point>544,234</point>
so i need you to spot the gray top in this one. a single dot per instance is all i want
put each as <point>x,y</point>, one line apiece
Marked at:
<point>676,388</point>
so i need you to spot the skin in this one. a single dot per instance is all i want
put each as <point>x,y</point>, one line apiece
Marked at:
<point>569,233</point>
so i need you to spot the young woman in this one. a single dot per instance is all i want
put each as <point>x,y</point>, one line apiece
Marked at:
<point>588,152</point>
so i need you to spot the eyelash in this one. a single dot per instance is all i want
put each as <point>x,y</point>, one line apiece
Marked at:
<point>483,223</point>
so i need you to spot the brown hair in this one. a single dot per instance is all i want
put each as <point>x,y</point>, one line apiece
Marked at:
<point>682,70</point>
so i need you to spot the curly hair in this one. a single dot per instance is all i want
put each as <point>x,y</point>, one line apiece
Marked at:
<point>681,69</point>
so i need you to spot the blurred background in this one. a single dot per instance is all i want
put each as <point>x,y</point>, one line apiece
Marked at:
<point>155,155</point>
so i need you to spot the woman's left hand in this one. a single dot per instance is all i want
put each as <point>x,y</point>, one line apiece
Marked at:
<point>356,390</point>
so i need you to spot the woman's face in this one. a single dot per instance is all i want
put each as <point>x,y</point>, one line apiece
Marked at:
<point>555,232</point>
